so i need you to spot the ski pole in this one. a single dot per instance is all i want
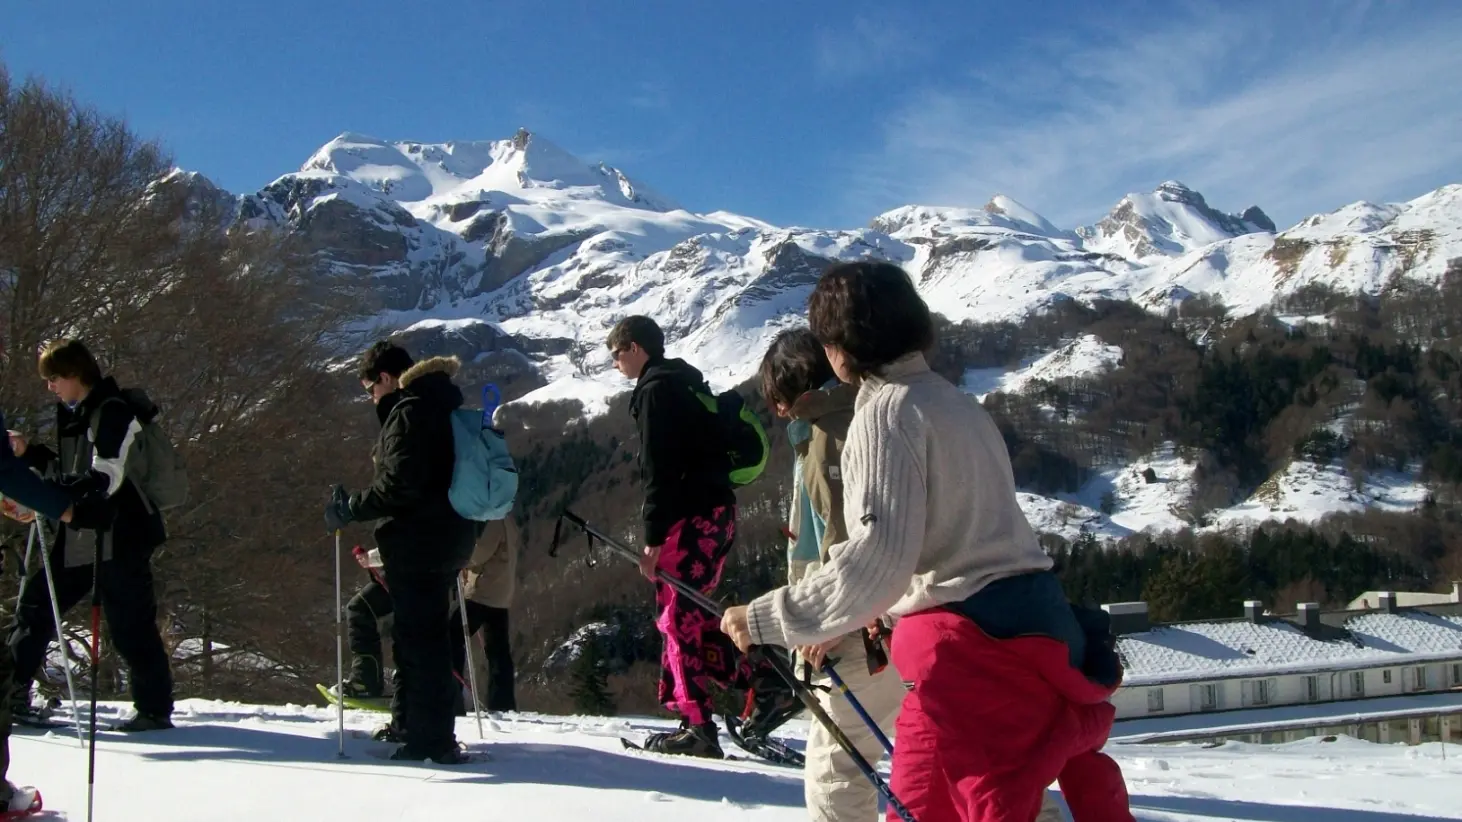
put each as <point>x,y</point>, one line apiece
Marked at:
<point>467,656</point>
<point>339,653</point>
<point>809,701</point>
<point>36,532</point>
<point>832,673</point>
<point>103,539</point>
<point>827,666</point>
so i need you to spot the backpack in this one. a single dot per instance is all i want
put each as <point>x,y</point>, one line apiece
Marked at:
<point>154,464</point>
<point>741,431</point>
<point>484,479</point>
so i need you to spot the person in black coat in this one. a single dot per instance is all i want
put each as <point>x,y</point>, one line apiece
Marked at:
<point>689,518</point>
<point>96,425</point>
<point>24,487</point>
<point>424,543</point>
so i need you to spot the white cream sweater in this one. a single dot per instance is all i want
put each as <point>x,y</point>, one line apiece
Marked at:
<point>929,501</point>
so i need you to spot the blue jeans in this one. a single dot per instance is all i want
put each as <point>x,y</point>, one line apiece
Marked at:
<point>1027,605</point>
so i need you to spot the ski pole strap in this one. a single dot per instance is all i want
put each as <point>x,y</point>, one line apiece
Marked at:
<point>874,650</point>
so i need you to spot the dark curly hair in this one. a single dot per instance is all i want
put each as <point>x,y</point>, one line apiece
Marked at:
<point>794,364</point>
<point>872,312</point>
<point>385,357</point>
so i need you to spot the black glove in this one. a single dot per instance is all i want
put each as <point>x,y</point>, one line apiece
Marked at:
<point>337,510</point>
<point>93,512</point>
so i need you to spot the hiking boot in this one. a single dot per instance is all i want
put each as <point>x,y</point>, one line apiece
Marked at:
<point>447,756</point>
<point>768,708</point>
<point>690,740</point>
<point>366,679</point>
<point>146,722</point>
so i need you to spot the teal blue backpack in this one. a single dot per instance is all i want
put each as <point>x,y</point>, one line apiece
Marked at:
<point>484,479</point>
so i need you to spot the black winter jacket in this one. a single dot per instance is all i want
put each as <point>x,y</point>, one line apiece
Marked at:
<point>88,468</point>
<point>420,530</point>
<point>684,467</point>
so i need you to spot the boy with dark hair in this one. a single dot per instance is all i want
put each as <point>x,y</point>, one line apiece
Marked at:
<point>20,485</point>
<point>97,425</point>
<point>422,539</point>
<point>689,518</point>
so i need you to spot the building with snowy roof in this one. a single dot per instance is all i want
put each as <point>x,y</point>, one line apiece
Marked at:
<point>1264,660</point>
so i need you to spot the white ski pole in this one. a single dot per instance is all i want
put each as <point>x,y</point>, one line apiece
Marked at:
<point>30,541</point>
<point>467,656</point>
<point>64,643</point>
<point>339,651</point>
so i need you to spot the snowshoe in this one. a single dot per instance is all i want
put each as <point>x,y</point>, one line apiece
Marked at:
<point>379,704</point>
<point>777,753</point>
<point>141,723</point>
<point>454,755</point>
<point>24,802</point>
<point>388,733</point>
<point>688,740</point>
<point>769,705</point>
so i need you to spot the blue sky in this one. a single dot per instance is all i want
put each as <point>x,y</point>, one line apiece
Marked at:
<point>818,113</point>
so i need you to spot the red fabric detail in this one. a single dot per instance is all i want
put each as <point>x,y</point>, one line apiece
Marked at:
<point>991,723</point>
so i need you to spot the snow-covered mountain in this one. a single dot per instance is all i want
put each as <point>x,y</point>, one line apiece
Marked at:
<point>517,246</point>
<point>519,257</point>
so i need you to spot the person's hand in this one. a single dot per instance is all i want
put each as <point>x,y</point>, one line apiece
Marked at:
<point>815,654</point>
<point>337,510</point>
<point>16,511</point>
<point>734,624</point>
<point>649,560</point>
<point>17,443</point>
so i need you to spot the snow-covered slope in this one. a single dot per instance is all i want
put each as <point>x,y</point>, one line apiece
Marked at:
<point>227,762</point>
<point>1086,356</point>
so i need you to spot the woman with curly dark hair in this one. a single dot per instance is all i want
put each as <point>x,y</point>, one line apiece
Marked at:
<point>1008,681</point>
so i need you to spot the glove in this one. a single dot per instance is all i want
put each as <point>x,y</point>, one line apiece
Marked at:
<point>93,512</point>
<point>337,510</point>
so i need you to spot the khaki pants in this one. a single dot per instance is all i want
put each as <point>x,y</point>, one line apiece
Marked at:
<point>835,789</point>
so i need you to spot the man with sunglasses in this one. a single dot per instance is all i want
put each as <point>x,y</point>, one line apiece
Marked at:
<point>689,528</point>
<point>423,542</point>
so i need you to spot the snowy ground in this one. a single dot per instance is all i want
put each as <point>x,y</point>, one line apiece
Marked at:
<point>237,762</point>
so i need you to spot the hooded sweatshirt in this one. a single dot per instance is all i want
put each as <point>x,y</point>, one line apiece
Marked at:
<point>683,466</point>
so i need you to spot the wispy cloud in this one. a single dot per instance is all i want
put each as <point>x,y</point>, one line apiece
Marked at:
<point>624,157</point>
<point>650,95</point>
<point>1297,115</point>
<point>863,45</point>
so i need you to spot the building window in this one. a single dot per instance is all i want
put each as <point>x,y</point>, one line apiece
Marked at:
<point>1358,683</point>
<point>1154,700</point>
<point>1259,691</point>
<point>1417,680</point>
<point>1386,677</point>
<point>1312,689</point>
<point>1207,697</point>
<point>1457,673</point>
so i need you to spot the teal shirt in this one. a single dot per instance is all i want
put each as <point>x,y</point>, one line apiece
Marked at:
<point>809,540</point>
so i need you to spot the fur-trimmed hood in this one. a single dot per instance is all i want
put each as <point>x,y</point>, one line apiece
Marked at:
<point>432,365</point>
<point>428,381</point>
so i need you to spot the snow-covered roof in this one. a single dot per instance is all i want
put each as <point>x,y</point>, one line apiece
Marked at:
<point>1242,648</point>
<point>1372,599</point>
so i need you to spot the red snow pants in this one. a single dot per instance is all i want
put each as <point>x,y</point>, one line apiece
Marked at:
<point>989,724</point>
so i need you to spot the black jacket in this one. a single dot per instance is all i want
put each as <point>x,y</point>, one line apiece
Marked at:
<point>413,458</point>
<point>684,466</point>
<point>101,469</point>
